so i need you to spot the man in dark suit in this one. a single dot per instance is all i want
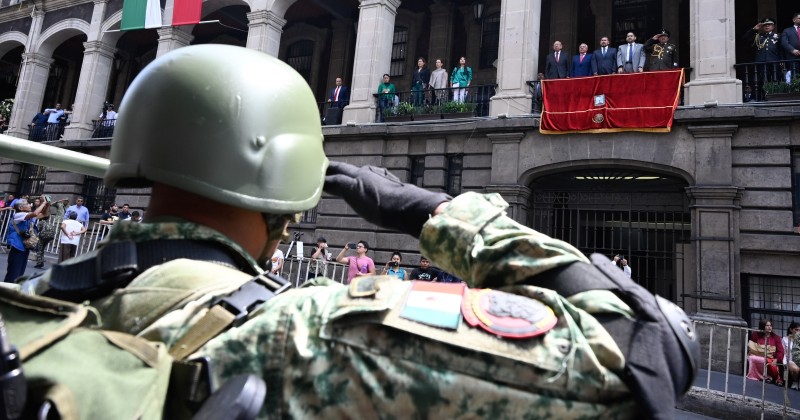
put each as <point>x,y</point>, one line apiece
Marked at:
<point>556,65</point>
<point>581,63</point>
<point>604,59</point>
<point>630,56</point>
<point>790,40</point>
<point>339,96</point>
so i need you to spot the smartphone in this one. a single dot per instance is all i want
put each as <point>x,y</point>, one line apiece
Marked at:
<point>48,198</point>
<point>351,245</point>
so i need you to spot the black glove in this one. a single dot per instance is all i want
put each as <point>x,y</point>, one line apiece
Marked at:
<point>380,198</point>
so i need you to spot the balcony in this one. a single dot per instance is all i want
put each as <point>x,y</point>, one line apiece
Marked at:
<point>770,81</point>
<point>434,104</point>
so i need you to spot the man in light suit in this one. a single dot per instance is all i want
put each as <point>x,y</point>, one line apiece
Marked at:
<point>604,59</point>
<point>630,56</point>
<point>790,41</point>
<point>556,65</point>
<point>339,96</point>
<point>581,63</point>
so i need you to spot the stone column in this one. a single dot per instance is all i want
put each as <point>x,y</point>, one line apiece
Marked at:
<point>715,228</point>
<point>172,38</point>
<point>264,33</point>
<point>341,53</point>
<point>441,40</point>
<point>517,58</point>
<point>96,25</point>
<point>504,178</point>
<point>373,57</point>
<point>713,53</point>
<point>98,59</point>
<point>30,92</point>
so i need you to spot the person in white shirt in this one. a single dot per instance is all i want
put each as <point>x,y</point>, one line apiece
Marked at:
<point>789,342</point>
<point>71,230</point>
<point>277,261</point>
<point>109,113</point>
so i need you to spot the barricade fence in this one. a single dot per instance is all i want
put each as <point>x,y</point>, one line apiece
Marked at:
<point>88,241</point>
<point>729,344</point>
<point>300,270</point>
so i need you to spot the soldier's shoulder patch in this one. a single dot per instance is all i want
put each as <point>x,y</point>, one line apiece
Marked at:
<point>507,315</point>
<point>436,304</point>
<point>363,286</point>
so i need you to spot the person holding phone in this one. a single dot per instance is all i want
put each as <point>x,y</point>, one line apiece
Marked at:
<point>393,267</point>
<point>358,265</point>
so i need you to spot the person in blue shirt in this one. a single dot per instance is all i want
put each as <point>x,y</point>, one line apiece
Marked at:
<point>81,211</point>
<point>18,254</point>
<point>393,267</point>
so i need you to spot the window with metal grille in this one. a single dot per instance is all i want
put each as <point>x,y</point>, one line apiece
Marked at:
<point>417,170</point>
<point>309,216</point>
<point>96,197</point>
<point>796,188</point>
<point>32,180</point>
<point>299,56</point>
<point>455,166</point>
<point>774,298</point>
<point>490,41</point>
<point>399,48</point>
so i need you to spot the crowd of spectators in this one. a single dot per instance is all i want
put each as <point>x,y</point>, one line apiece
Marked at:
<point>771,358</point>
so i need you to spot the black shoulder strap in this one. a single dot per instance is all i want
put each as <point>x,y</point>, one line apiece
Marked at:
<point>117,263</point>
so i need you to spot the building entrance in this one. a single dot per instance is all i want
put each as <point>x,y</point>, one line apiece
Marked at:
<point>643,217</point>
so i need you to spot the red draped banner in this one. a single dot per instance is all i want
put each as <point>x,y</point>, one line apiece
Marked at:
<point>616,102</point>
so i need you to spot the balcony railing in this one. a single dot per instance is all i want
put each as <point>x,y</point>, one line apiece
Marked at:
<point>103,128</point>
<point>769,81</point>
<point>434,104</point>
<point>46,131</point>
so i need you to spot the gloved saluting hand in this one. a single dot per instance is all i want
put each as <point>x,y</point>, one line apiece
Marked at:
<point>381,198</point>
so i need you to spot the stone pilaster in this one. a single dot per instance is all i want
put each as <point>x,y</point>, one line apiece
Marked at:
<point>517,58</point>
<point>96,25</point>
<point>715,206</point>
<point>172,38</point>
<point>373,57</point>
<point>341,53</point>
<point>712,54</point>
<point>30,92</point>
<point>441,40</point>
<point>98,58</point>
<point>518,198</point>
<point>264,33</point>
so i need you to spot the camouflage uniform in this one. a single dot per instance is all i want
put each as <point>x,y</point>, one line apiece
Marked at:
<point>329,351</point>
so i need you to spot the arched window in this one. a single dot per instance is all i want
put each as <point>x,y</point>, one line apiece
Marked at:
<point>299,56</point>
<point>490,40</point>
<point>399,48</point>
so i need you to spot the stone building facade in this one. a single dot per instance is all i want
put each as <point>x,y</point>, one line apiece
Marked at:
<point>707,214</point>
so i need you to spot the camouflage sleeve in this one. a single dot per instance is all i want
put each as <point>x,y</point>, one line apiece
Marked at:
<point>795,356</point>
<point>475,240</point>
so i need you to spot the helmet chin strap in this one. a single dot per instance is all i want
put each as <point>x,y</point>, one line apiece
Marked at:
<point>276,226</point>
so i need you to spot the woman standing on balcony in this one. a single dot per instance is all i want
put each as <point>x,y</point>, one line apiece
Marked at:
<point>439,82</point>
<point>764,347</point>
<point>420,81</point>
<point>461,78</point>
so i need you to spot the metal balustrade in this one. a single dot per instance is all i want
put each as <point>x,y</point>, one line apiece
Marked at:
<point>769,81</point>
<point>434,104</point>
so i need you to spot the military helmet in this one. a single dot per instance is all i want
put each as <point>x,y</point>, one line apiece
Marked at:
<point>227,123</point>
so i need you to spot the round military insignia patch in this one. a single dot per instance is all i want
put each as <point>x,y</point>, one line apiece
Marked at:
<point>598,118</point>
<point>506,314</point>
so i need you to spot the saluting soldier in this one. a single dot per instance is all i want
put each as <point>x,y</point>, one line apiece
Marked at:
<point>766,42</point>
<point>537,329</point>
<point>661,54</point>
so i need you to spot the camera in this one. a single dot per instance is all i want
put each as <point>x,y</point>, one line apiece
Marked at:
<point>394,264</point>
<point>351,245</point>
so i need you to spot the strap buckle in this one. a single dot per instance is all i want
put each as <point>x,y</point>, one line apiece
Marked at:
<point>252,295</point>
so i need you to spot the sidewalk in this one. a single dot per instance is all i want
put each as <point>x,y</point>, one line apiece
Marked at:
<point>49,260</point>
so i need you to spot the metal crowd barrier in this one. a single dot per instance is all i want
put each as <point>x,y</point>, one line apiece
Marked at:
<point>88,242</point>
<point>299,270</point>
<point>732,333</point>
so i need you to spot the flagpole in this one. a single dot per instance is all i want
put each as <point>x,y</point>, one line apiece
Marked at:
<point>166,26</point>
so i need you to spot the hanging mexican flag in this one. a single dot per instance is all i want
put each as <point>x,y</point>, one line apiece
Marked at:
<point>186,12</point>
<point>140,14</point>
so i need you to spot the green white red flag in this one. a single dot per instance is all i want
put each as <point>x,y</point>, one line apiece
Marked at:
<point>146,14</point>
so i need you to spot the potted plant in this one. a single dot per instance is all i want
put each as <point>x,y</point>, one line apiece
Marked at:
<point>5,112</point>
<point>454,109</point>
<point>782,91</point>
<point>404,111</point>
<point>426,113</point>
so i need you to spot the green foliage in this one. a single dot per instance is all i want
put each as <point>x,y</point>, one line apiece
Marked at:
<point>793,86</point>
<point>452,107</point>
<point>5,109</point>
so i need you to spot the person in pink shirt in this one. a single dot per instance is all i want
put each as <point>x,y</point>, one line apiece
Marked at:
<point>358,265</point>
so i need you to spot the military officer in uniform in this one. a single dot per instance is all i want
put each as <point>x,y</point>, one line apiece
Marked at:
<point>661,54</point>
<point>538,330</point>
<point>766,42</point>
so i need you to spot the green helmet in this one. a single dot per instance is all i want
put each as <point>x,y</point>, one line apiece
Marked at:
<point>227,123</point>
